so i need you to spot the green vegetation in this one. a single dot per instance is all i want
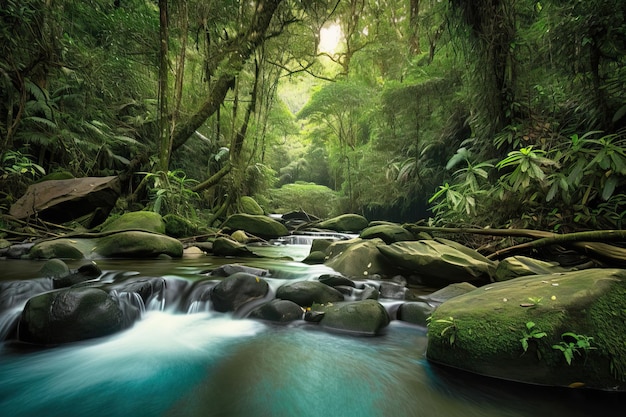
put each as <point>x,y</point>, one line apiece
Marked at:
<point>492,113</point>
<point>573,343</point>
<point>531,333</point>
<point>449,330</point>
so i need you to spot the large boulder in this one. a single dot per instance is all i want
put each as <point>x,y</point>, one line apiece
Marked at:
<point>60,201</point>
<point>250,206</point>
<point>306,293</point>
<point>223,246</point>
<point>257,225</point>
<point>357,258</point>
<point>148,221</point>
<point>555,329</point>
<point>131,244</point>
<point>280,311</point>
<point>367,317</point>
<point>237,290</point>
<point>136,244</point>
<point>388,232</point>
<point>72,314</point>
<point>345,223</point>
<point>519,266</point>
<point>63,248</point>
<point>439,262</point>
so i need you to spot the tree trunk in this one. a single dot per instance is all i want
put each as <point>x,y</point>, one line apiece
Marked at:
<point>414,40</point>
<point>244,47</point>
<point>165,143</point>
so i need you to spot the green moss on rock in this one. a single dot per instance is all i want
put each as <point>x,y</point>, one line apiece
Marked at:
<point>136,220</point>
<point>481,331</point>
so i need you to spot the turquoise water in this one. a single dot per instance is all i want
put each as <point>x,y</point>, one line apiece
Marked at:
<point>211,364</point>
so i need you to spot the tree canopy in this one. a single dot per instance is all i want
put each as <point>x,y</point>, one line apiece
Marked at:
<point>508,113</point>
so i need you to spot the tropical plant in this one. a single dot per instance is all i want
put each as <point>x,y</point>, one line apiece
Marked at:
<point>170,192</point>
<point>572,344</point>
<point>15,163</point>
<point>450,330</point>
<point>531,333</point>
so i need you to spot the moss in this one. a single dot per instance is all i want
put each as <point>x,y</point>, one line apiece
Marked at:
<point>489,323</point>
<point>608,317</point>
<point>178,227</point>
<point>137,220</point>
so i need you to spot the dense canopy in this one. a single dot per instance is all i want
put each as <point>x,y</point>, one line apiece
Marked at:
<point>505,113</point>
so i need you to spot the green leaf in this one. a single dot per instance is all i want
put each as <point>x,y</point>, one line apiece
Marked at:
<point>609,187</point>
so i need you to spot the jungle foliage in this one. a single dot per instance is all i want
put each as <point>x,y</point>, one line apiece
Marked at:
<point>507,113</point>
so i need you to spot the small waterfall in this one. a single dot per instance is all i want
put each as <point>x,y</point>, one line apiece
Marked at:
<point>307,238</point>
<point>198,306</point>
<point>131,298</point>
<point>8,322</point>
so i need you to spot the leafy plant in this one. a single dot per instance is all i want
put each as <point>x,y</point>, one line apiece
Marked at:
<point>531,333</point>
<point>14,163</point>
<point>573,343</point>
<point>527,163</point>
<point>171,193</point>
<point>450,329</point>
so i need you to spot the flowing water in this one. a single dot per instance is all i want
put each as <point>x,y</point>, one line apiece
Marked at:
<point>203,363</point>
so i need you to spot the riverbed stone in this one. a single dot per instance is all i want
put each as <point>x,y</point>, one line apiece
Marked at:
<point>137,244</point>
<point>250,206</point>
<point>178,226</point>
<point>519,266</point>
<point>484,330</point>
<point>54,268</point>
<point>71,315</point>
<point>84,273</point>
<point>367,317</point>
<point>348,223</point>
<point>278,311</point>
<point>63,248</point>
<point>415,312</point>
<point>136,220</point>
<point>236,290</point>
<point>258,225</point>
<point>388,232</point>
<point>223,246</point>
<point>306,293</point>
<point>449,291</point>
<point>358,258</point>
<point>439,262</point>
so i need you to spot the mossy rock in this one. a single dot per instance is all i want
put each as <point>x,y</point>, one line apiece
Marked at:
<point>388,232</point>
<point>136,220</point>
<point>238,289</point>
<point>137,244</point>
<point>72,314</point>
<point>250,206</point>
<point>59,175</point>
<point>357,258</point>
<point>439,262</point>
<point>54,268</point>
<point>280,311</point>
<point>177,226</point>
<point>306,293</point>
<point>366,317</point>
<point>482,331</point>
<point>519,266</point>
<point>257,225</point>
<point>63,248</point>
<point>345,223</point>
<point>223,246</point>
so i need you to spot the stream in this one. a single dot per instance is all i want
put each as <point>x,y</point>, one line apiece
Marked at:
<point>204,363</point>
